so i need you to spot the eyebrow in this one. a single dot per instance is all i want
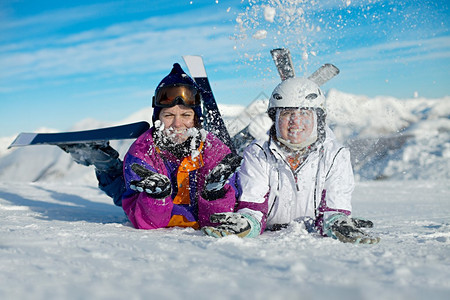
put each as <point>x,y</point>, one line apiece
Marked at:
<point>173,114</point>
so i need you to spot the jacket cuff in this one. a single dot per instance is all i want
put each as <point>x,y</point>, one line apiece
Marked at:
<point>214,195</point>
<point>254,224</point>
<point>330,221</point>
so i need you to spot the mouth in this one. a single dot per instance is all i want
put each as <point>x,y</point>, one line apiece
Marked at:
<point>176,131</point>
<point>176,135</point>
<point>295,131</point>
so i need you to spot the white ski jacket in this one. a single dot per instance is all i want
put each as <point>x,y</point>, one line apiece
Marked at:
<point>276,195</point>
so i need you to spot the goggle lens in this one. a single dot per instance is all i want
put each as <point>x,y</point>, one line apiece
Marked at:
<point>178,94</point>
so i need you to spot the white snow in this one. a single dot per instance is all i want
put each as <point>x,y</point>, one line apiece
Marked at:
<point>260,35</point>
<point>269,13</point>
<point>64,241</point>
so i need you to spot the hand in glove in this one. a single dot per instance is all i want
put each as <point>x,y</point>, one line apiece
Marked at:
<point>154,184</point>
<point>218,177</point>
<point>233,224</point>
<point>347,230</point>
<point>362,223</point>
<point>101,155</point>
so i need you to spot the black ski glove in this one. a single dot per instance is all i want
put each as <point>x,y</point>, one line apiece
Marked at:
<point>218,177</point>
<point>347,230</point>
<point>154,184</point>
<point>101,155</point>
<point>361,223</point>
<point>232,224</point>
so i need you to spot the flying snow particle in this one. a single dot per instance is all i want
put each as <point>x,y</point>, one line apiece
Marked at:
<point>269,14</point>
<point>305,56</point>
<point>260,35</point>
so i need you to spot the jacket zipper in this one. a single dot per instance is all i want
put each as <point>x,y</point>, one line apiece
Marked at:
<point>296,182</point>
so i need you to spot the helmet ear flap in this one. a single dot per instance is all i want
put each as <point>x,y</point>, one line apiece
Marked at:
<point>272,112</point>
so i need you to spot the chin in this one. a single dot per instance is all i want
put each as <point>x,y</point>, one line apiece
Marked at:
<point>179,140</point>
<point>295,140</point>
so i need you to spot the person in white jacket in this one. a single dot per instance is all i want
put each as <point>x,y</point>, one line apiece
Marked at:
<point>299,173</point>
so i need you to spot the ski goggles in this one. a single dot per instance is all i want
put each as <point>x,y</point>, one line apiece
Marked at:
<point>168,96</point>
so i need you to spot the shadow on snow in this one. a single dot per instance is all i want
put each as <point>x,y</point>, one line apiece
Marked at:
<point>72,209</point>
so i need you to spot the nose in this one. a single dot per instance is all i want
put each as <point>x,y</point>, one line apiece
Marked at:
<point>177,122</point>
<point>296,118</point>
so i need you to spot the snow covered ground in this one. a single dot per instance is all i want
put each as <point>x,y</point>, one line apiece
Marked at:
<point>62,241</point>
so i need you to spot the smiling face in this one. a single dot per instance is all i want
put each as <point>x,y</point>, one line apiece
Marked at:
<point>295,125</point>
<point>177,120</point>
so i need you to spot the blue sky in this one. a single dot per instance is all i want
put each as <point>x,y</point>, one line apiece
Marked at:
<point>64,61</point>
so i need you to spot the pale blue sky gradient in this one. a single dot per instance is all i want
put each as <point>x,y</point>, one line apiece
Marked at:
<point>64,61</point>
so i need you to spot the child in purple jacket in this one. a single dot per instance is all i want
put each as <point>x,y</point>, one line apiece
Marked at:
<point>166,169</point>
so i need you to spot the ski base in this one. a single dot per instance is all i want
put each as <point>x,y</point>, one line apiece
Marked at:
<point>128,131</point>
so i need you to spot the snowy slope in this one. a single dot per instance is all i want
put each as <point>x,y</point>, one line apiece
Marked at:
<point>411,136</point>
<point>70,242</point>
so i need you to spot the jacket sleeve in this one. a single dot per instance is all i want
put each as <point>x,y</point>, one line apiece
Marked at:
<point>253,179</point>
<point>112,183</point>
<point>143,211</point>
<point>338,187</point>
<point>214,152</point>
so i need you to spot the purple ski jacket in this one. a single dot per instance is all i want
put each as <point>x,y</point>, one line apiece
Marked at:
<point>185,207</point>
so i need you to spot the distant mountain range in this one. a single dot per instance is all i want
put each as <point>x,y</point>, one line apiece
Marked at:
<point>389,138</point>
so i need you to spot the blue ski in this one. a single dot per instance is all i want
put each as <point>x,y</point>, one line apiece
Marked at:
<point>213,119</point>
<point>128,131</point>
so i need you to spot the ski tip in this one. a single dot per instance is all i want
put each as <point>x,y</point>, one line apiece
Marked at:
<point>23,139</point>
<point>333,68</point>
<point>195,65</point>
<point>279,50</point>
<point>120,132</point>
<point>283,62</point>
<point>324,74</point>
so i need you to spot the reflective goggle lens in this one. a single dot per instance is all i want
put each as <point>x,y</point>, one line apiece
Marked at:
<point>172,95</point>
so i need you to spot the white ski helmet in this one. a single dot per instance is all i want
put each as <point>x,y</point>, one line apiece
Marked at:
<point>297,92</point>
